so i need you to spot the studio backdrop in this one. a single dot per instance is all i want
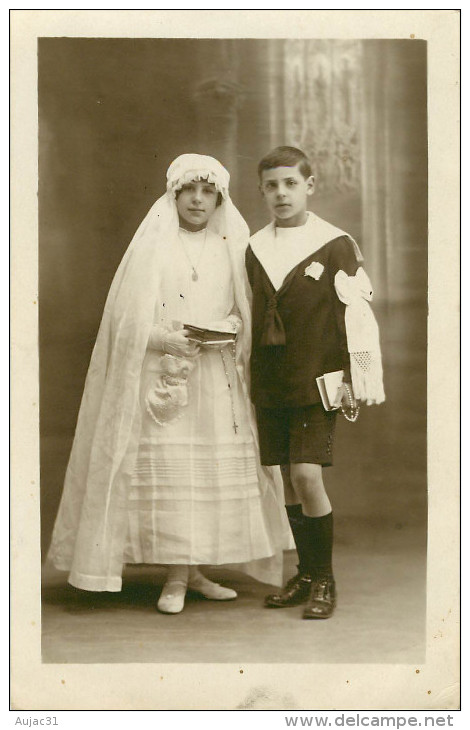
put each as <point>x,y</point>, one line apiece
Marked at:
<point>113,113</point>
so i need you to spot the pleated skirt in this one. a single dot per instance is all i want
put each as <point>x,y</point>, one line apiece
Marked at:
<point>195,496</point>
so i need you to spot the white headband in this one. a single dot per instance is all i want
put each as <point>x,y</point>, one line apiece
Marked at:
<point>197,167</point>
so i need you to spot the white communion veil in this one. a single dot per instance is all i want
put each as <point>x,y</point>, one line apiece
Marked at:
<point>91,526</point>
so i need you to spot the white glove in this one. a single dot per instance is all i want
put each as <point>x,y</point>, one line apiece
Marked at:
<point>173,342</point>
<point>177,343</point>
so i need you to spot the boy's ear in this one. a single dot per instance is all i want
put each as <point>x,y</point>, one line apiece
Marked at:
<point>260,188</point>
<point>310,185</point>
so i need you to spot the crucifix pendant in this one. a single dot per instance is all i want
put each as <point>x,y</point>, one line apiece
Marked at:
<point>194,276</point>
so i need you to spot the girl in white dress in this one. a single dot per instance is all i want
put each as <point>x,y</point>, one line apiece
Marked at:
<point>164,468</point>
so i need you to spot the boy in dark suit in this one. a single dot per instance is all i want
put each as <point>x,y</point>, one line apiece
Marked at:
<point>305,274</point>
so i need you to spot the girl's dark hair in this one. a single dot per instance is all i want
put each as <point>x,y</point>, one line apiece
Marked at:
<point>219,196</point>
<point>285,156</point>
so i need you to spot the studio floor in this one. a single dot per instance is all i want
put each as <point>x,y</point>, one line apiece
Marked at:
<point>380,616</point>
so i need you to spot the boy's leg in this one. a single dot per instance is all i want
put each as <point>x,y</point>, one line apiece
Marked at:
<point>296,516</point>
<point>273,428</point>
<point>307,481</point>
<point>286,435</point>
<point>310,516</point>
<point>297,589</point>
<point>307,484</point>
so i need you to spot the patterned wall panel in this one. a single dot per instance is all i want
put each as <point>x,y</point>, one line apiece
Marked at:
<point>322,105</point>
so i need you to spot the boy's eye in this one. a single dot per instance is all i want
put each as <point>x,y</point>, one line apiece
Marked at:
<point>291,182</point>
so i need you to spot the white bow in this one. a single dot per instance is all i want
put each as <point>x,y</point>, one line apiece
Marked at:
<point>350,288</point>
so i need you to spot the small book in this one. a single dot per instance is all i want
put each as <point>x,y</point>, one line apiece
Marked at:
<point>205,336</point>
<point>328,385</point>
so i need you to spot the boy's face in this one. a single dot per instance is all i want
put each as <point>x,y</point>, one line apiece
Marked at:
<point>285,191</point>
<point>195,203</point>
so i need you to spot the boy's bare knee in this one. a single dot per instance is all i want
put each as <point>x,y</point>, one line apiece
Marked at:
<point>306,478</point>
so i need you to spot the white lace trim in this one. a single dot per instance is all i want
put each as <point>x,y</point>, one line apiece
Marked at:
<point>367,377</point>
<point>363,360</point>
<point>176,184</point>
<point>190,167</point>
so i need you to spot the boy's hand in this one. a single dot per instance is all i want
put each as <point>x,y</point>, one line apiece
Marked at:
<point>177,343</point>
<point>345,398</point>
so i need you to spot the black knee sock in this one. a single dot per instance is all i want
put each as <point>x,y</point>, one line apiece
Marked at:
<point>301,537</point>
<point>320,545</point>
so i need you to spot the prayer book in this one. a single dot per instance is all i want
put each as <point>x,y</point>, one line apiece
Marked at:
<point>329,385</point>
<point>204,336</point>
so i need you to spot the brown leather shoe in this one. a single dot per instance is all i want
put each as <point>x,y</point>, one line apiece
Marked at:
<point>296,591</point>
<point>322,599</point>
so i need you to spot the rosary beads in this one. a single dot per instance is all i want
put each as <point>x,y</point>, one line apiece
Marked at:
<point>353,409</point>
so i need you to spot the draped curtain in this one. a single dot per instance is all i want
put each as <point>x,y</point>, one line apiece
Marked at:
<point>358,109</point>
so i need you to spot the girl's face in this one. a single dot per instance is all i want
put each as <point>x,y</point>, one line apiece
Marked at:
<point>196,201</point>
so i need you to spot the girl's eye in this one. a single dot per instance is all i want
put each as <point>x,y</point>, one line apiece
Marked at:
<point>209,191</point>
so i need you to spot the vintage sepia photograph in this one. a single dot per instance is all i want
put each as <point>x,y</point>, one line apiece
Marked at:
<point>233,238</point>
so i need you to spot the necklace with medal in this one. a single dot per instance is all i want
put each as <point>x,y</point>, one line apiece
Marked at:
<point>194,267</point>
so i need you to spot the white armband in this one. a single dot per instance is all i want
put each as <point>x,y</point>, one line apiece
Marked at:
<point>362,334</point>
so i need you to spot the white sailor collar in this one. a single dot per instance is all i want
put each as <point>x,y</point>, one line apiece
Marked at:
<point>320,232</point>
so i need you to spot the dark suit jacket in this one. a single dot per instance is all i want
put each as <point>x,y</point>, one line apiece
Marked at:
<point>299,331</point>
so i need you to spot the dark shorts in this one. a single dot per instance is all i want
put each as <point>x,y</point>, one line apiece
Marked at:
<point>296,435</point>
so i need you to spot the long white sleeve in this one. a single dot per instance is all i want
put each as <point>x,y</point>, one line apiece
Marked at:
<point>232,323</point>
<point>157,337</point>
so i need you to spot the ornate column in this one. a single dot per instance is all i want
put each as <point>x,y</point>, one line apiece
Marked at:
<point>217,97</point>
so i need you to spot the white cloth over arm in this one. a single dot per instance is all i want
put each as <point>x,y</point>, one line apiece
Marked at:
<point>363,336</point>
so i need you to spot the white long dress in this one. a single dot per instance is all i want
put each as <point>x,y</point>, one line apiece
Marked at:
<point>194,495</point>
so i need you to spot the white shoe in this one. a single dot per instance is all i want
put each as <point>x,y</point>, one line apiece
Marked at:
<point>215,592</point>
<point>172,597</point>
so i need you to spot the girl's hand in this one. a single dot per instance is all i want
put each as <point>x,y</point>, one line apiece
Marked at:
<point>177,343</point>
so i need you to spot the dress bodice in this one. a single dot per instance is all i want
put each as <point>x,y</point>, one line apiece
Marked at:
<point>207,297</point>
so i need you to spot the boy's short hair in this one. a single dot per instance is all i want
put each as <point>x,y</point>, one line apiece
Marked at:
<point>285,156</point>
